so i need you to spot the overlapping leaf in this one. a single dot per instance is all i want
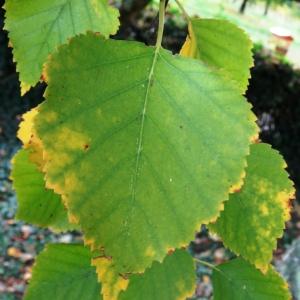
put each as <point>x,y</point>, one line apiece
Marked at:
<point>36,28</point>
<point>255,217</point>
<point>239,280</point>
<point>36,204</point>
<point>63,272</point>
<point>133,137</point>
<point>174,278</point>
<point>221,44</point>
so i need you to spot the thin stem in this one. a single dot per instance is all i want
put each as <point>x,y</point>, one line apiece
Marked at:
<point>207,264</point>
<point>162,8</point>
<point>184,12</point>
<point>211,266</point>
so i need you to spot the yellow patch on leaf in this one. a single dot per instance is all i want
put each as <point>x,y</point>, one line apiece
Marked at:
<point>70,139</point>
<point>285,199</point>
<point>112,283</point>
<point>26,127</point>
<point>29,138</point>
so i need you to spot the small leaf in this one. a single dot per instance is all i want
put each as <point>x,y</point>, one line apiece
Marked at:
<point>255,217</point>
<point>221,44</point>
<point>174,278</point>
<point>63,272</point>
<point>36,204</point>
<point>25,131</point>
<point>36,28</point>
<point>131,153</point>
<point>239,280</point>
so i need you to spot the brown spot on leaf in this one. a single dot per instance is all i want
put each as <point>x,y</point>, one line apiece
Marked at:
<point>255,139</point>
<point>237,190</point>
<point>124,276</point>
<point>171,251</point>
<point>43,77</point>
<point>103,256</point>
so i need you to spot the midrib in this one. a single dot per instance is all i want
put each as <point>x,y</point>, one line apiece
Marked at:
<point>141,133</point>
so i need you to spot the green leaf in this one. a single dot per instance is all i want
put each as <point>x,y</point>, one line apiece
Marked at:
<point>254,218</point>
<point>133,137</point>
<point>174,278</point>
<point>36,204</point>
<point>36,28</point>
<point>221,44</point>
<point>63,272</point>
<point>239,280</point>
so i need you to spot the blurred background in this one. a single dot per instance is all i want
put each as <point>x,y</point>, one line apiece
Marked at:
<point>274,91</point>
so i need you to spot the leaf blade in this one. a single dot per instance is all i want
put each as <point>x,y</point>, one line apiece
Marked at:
<point>174,278</point>
<point>39,27</point>
<point>264,199</point>
<point>221,44</point>
<point>167,173</point>
<point>63,272</point>
<point>36,204</point>
<point>238,280</point>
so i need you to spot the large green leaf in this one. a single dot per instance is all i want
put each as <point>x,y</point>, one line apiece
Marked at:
<point>221,44</point>
<point>255,217</point>
<point>36,28</point>
<point>239,280</point>
<point>36,204</point>
<point>64,272</point>
<point>174,278</point>
<point>145,146</point>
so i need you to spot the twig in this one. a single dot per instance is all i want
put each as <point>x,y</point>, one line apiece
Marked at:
<point>184,12</point>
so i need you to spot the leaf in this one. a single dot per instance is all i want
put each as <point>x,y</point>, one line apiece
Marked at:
<point>63,272</point>
<point>25,131</point>
<point>30,140</point>
<point>36,28</point>
<point>174,278</point>
<point>221,44</point>
<point>254,218</point>
<point>239,280</point>
<point>131,153</point>
<point>36,204</point>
